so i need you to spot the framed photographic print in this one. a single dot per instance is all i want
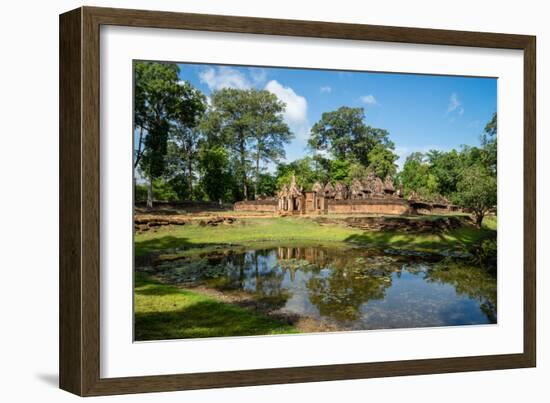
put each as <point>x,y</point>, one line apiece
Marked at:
<point>249,201</point>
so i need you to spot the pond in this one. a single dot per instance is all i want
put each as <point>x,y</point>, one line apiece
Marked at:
<point>347,288</point>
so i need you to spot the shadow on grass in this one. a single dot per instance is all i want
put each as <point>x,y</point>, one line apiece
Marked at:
<point>204,319</point>
<point>166,312</point>
<point>159,243</point>
<point>155,290</point>
<point>166,243</point>
<point>457,239</point>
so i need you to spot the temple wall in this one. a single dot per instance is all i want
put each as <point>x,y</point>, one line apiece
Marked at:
<point>389,206</point>
<point>372,206</point>
<point>256,205</point>
<point>187,205</point>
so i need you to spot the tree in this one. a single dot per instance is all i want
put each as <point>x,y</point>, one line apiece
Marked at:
<point>358,171</point>
<point>269,130</point>
<point>339,171</point>
<point>489,144</point>
<point>216,179</point>
<point>382,161</point>
<point>267,184</point>
<point>477,191</point>
<point>153,161</point>
<point>250,124</point>
<point>416,177</point>
<point>303,169</point>
<point>185,137</point>
<point>412,176</point>
<point>228,123</point>
<point>156,95</point>
<point>491,126</point>
<point>446,167</point>
<point>321,168</point>
<point>345,136</point>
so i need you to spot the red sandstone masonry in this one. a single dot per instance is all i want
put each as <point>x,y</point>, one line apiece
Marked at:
<point>256,205</point>
<point>389,206</point>
<point>369,206</point>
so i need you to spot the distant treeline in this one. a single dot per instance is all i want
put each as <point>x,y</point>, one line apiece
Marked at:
<point>189,147</point>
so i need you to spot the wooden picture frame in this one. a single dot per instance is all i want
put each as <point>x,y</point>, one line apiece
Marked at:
<point>79,200</point>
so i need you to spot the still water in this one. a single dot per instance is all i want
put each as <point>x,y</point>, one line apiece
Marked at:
<point>347,289</point>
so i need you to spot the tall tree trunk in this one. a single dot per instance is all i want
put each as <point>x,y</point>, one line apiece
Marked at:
<point>257,174</point>
<point>150,193</point>
<point>190,172</point>
<point>243,167</point>
<point>188,149</point>
<point>479,218</point>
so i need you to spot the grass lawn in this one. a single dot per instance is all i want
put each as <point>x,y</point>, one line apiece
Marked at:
<point>247,231</point>
<point>167,312</point>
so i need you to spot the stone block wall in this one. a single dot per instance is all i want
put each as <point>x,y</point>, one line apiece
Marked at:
<point>187,205</point>
<point>256,205</point>
<point>369,206</point>
<point>387,206</point>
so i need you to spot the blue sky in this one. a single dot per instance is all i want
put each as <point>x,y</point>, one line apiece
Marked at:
<point>420,112</point>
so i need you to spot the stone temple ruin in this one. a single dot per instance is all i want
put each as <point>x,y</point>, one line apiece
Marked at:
<point>371,196</point>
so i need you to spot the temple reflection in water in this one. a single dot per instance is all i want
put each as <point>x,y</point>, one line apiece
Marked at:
<point>350,288</point>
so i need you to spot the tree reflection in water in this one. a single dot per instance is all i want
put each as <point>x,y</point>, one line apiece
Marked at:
<point>475,284</point>
<point>348,285</point>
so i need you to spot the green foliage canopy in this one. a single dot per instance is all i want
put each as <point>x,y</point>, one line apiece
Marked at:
<point>165,108</point>
<point>382,161</point>
<point>250,124</point>
<point>345,136</point>
<point>477,191</point>
<point>216,179</point>
<point>416,177</point>
<point>489,144</point>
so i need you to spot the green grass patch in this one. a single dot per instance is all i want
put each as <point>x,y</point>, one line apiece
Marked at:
<point>167,312</point>
<point>253,231</point>
<point>242,232</point>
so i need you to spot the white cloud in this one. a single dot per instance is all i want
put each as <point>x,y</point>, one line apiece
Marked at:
<point>217,78</point>
<point>453,102</point>
<point>258,75</point>
<point>326,89</point>
<point>295,116</point>
<point>224,77</point>
<point>368,99</point>
<point>455,105</point>
<point>295,113</point>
